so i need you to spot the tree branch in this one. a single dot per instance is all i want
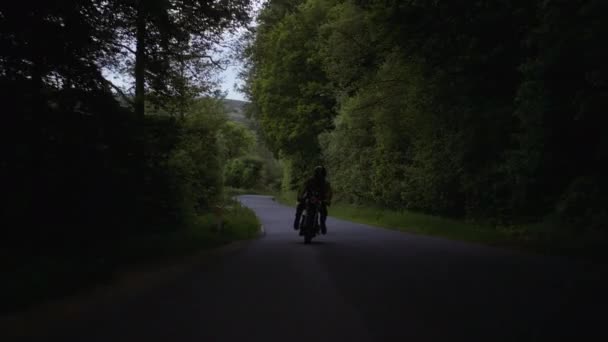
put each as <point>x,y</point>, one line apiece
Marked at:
<point>213,61</point>
<point>216,63</point>
<point>120,92</point>
<point>151,73</point>
<point>124,47</point>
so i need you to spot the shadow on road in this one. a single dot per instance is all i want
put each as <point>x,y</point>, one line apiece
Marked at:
<point>314,243</point>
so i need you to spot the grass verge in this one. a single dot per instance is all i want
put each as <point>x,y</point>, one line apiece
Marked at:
<point>544,238</point>
<point>237,223</point>
<point>35,278</point>
<point>409,222</point>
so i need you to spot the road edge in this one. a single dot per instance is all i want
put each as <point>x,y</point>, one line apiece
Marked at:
<point>127,282</point>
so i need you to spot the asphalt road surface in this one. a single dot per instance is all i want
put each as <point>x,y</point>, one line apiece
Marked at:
<point>358,283</point>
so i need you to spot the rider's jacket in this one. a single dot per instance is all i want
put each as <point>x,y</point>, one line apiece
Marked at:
<point>319,187</point>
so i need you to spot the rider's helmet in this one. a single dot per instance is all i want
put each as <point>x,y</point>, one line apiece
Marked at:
<point>320,172</point>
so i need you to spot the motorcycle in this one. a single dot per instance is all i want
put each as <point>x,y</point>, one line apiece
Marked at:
<point>310,224</point>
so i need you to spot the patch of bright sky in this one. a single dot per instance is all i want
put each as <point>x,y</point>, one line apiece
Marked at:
<point>228,79</point>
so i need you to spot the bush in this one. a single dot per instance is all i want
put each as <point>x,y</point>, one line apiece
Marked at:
<point>96,188</point>
<point>243,172</point>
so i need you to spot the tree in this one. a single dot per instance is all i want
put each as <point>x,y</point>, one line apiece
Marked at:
<point>169,44</point>
<point>236,139</point>
<point>287,84</point>
<point>489,110</point>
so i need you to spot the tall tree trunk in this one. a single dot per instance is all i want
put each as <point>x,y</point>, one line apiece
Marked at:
<point>140,61</point>
<point>37,82</point>
<point>182,100</point>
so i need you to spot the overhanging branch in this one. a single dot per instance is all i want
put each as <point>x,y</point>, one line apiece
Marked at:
<point>124,47</point>
<point>120,92</point>
<point>213,61</point>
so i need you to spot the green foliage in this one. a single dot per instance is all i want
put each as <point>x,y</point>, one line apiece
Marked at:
<point>290,91</point>
<point>39,277</point>
<point>236,140</point>
<point>418,223</point>
<point>85,174</point>
<point>486,110</point>
<point>92,192</point>
<point>561,146</point>
<point>249,165</point>
<point>239,223</point>
<point>272,169</point>
<point>195,162</point>
<point>243,173</point>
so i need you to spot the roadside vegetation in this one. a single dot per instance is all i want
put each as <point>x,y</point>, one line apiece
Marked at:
<point>99,176</point>
<point>39,277</point>
<point>539,238</point>
<point>476,111</point>
<point>475,120</point>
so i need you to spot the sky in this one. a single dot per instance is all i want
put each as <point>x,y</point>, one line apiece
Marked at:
<point>229,79</point>
<point>230,75</point>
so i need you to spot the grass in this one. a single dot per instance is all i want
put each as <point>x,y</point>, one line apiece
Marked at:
<point>419,223</point>
<point>36,278</point>
<point>410,222</point>
<point>208,231</point>
<point>545,238</point>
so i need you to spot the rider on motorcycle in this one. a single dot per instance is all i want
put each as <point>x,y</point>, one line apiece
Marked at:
<point>315,184</point>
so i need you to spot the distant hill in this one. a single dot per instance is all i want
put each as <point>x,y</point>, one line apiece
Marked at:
<point>236,111</point>
<point>234,108</point>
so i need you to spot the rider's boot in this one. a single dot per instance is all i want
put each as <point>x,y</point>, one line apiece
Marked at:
<point>296,223</point>
<point>323,229</point>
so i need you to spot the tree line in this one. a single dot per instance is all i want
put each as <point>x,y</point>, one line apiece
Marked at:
<point>484,110</point>
<point>86,162</point>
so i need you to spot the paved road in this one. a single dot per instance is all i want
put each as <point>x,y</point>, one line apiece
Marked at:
<point>358,283</point>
